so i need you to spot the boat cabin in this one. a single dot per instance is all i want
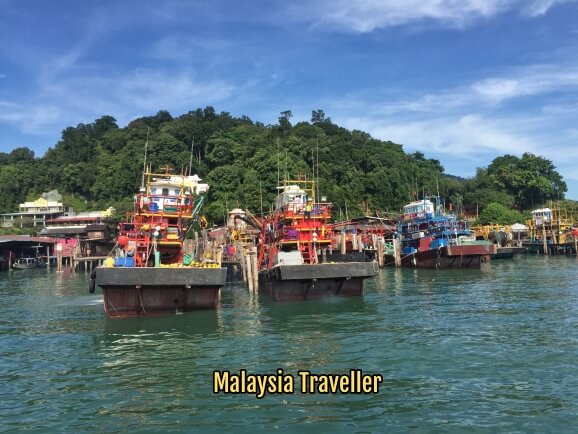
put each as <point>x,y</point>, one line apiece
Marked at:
<point>420,209</point>
<point>291,198</point>
<point>542,216</point>
<point>165,193</point>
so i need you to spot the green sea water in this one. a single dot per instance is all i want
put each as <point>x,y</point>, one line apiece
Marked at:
<point>485,351</point>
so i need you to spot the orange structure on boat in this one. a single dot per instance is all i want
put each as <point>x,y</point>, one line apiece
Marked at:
<point>149,271</point>
<point>296,249</point>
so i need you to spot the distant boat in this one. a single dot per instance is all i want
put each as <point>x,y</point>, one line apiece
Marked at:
<point>25,263</point>
<point>431,238</point>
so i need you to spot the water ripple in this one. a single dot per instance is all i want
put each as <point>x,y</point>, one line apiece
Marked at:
<point>460,351</point>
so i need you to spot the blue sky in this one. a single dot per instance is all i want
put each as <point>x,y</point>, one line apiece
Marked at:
<point>463,81</point>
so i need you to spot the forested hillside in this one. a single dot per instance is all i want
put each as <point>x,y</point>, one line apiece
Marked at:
<point>99,165</point>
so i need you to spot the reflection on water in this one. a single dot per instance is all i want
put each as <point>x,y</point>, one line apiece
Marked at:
<point>491,350</point>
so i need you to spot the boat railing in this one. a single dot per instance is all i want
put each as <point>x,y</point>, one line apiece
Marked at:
<point>318,210</point>
<point>177,205</point>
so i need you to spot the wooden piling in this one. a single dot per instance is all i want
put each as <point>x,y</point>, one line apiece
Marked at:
<point>396,252</point>
<point>379,252</point>
<point>343,243</point>
<point>254,268</point>
<point>219,255</point>
<point>58,257</point>
<point>249,271</point>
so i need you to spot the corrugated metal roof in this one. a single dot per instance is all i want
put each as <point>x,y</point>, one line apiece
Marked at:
<point>24,238</point>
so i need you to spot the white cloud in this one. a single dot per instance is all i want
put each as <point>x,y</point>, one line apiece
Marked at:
<point>540,7</point>
<point>368,15</point>
<point>84,98</point>
<point>531,81</point>
<point>30,119</point>
<point>465,136</point>
<point>187,47</point>
<point>528,81</point>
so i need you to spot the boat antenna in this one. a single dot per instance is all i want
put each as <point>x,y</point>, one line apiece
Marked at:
<point>191,158</point>
<point>261,194</point>
<point>317,164</point>
<point>144,166</point>
<point>286,170</point>
<point>278,176</point>
<point>313,177</point>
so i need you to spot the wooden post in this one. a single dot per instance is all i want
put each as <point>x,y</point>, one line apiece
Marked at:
<point>396,252</point>
<point>249,268</point>
<point>219,255</point>
<point>343,243</point>
<point>353,242</point>
<point>242,260</point>
<point>197,249</point>
<point>544,240</point>
<point>58,257</point>
<point>359,243</point>
<point>255,268</point>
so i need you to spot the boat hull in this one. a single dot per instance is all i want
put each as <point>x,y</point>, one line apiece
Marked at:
<point>316,281</point>
<point>462,256</point>
<point>149,291</point>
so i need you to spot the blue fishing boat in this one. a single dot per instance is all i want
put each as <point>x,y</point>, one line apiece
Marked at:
<point>432,238</point>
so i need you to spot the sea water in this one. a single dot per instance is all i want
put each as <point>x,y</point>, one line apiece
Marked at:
<point>460,351</point>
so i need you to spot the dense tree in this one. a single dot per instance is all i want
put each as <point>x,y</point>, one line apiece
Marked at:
<point>100,165</point>
<point>496,213</point>
<point>531,179</point>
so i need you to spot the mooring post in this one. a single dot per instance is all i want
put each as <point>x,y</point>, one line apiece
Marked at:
<point>249,268</point>
<point>59,257</point>
<point>255,268</point>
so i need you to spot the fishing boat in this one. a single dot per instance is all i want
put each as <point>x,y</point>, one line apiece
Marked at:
<point>294,254</point>
<point>432,238</point>
<point>148,271</point>
<point>25,263</point>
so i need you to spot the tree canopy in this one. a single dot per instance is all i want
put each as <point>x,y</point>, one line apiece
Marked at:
<point>100,165</point>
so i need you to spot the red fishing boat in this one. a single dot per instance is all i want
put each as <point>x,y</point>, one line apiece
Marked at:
<point>149,272</point>
<point>295,253</point>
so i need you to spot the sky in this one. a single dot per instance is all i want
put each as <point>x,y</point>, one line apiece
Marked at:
<point>463,81</point>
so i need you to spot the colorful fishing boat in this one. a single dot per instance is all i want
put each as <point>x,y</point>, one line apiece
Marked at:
<point>431,238</point>
<point>149,272</point>
<point>295,249</point>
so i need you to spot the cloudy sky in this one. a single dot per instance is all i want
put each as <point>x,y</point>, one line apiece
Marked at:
<point>463,81</point>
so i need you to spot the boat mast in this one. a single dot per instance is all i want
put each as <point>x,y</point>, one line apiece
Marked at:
<point>144,166</point>
<point>191,158</point>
